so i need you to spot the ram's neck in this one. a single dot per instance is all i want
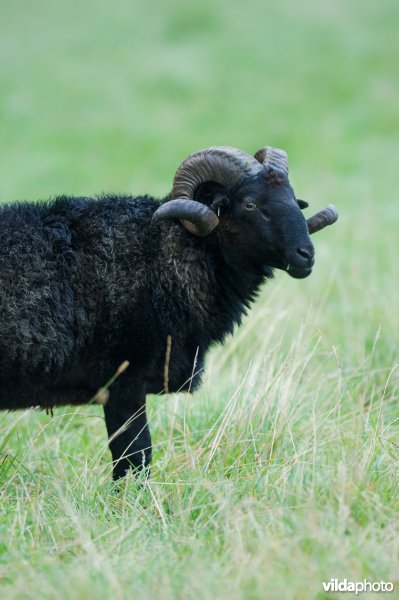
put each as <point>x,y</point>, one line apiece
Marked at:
<point>205,291</point>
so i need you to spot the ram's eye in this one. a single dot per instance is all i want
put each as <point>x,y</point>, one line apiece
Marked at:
<point>249,205</point>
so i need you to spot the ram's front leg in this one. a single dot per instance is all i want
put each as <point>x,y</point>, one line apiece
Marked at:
<point>128,431</point>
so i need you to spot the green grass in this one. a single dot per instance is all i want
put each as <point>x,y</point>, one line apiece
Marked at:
<point>281,472</point>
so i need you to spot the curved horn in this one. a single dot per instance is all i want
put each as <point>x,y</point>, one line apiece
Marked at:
<point>325,217</point>
<point>273,158</point>
<point>196,217</point>
<point>222,164</point>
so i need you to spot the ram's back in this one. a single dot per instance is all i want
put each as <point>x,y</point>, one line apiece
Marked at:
<point>64,266</point>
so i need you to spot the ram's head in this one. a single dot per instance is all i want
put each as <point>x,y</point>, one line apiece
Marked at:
<point>249,202</point>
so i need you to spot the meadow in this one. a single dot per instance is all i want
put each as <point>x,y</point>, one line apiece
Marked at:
<point>281,472</point>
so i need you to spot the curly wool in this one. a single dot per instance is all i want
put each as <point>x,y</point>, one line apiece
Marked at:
<point>88,283</point>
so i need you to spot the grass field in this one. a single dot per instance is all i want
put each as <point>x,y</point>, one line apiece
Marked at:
<point>282,471</point>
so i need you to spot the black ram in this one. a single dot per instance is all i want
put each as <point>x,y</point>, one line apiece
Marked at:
<point>87,284</point>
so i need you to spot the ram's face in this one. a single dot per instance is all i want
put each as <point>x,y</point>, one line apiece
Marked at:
<point>248,202</point>
<point>269,226</point>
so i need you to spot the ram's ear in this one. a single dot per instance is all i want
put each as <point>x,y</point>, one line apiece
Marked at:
<point>211,193</point>
<point>302,204</point>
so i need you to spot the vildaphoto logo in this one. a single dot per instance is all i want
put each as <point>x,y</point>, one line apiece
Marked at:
<point>344,585</point>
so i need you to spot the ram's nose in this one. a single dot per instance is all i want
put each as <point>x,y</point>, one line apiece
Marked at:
<point>305,256</point>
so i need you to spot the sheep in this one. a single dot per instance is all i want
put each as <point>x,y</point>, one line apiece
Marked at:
<point>89,284</point>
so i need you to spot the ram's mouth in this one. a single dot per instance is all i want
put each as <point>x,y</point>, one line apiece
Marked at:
<point>298,273</point>
<point>294,271</point>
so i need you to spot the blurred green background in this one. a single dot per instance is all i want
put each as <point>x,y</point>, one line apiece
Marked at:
<point>110,97</point>
<point>99,96</point>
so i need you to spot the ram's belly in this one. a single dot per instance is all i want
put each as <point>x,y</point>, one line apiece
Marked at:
<point>14,396</point>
